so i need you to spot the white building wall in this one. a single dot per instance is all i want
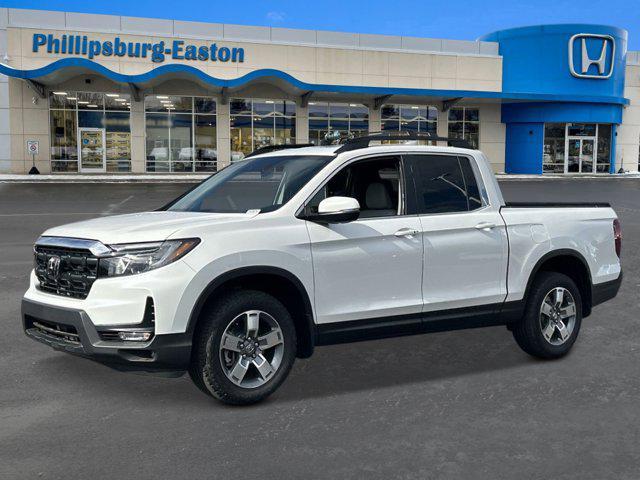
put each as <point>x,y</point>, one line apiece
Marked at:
<point>493,135</point>
<point>5,114</point>
<point>628,139</point>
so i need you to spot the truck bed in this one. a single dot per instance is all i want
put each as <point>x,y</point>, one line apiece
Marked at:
<point>557,205</point>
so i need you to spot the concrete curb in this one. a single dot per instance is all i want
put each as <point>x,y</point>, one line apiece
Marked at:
<point>194,178</point>
<point>601,176</point>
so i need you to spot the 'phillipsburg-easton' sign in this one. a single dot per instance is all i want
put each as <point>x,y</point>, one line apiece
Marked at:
<point>157,52</point>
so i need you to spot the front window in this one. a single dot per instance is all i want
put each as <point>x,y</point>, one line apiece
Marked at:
<point>464,123</point>
<point>263,183</point>
<point>350,119</point>
<point>374,183</point>
<point>257,123</point>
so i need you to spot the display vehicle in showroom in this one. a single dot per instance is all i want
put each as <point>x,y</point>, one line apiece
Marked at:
<point>301,247</point>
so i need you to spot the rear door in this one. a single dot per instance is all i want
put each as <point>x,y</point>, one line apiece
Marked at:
<point>371,267</point>
<point>465,242</point>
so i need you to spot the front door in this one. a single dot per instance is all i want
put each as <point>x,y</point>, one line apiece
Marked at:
<point>372,267</point>
<point>91,150</point>
<point>580,156</point>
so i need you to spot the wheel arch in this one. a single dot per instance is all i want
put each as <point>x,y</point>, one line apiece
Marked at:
<point>280,283</point>
<point>571,263</point>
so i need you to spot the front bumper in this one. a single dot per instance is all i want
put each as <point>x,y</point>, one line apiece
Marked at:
<point>75,333</point>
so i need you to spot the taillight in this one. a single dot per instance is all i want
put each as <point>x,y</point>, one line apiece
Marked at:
<point>617,236</point>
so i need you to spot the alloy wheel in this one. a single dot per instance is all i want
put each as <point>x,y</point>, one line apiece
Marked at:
<point>557,316</point>
<point>251,349</point>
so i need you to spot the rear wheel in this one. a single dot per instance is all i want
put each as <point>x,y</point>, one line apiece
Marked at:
<point>552,317</point>
<point>244,348</point>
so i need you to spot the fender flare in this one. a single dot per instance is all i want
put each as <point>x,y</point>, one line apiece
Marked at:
<point>562,252</point>
<point>255,270</point>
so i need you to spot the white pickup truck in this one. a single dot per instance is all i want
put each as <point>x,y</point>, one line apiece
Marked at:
<point>301,247</point>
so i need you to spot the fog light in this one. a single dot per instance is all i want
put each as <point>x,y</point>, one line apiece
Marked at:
<point>134,336</point>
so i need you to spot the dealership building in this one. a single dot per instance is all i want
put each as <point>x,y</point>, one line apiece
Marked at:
<point>84,93</point>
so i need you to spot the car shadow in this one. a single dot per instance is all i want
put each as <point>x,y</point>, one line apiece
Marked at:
<point>331,371</point>
<point>420,359</point>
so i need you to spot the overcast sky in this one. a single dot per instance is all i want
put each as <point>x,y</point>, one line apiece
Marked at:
<point>454,19</point>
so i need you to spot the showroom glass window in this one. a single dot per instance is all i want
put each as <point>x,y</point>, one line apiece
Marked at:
<point>350,119</point>
<point>464,122</point>
<point>410,118</point>
<point>70,111</point>
<point>257,123</point>
<point>180,133</point>
<point>570,148</point>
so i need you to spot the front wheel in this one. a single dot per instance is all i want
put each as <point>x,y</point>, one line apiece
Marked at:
<point>244,348</point>
<point>552,317</point>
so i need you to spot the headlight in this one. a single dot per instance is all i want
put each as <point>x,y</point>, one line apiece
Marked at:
<point>132,258</point>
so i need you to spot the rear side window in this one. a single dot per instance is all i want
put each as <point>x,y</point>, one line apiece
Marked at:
<point>444,184</point>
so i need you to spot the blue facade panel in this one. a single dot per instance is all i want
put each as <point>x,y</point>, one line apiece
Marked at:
<point>561,112</point>
<point>524,148</point>
<point>537,59</point>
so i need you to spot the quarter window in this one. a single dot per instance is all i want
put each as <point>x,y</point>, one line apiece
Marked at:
<point>444,184</point>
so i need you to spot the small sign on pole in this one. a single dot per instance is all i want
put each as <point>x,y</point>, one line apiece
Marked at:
<point>33,148</point>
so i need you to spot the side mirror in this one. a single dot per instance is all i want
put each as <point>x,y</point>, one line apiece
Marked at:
<point>336,210</point>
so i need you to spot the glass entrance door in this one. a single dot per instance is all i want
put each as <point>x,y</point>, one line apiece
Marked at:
<point>580,155</point>
<point>91,151</point>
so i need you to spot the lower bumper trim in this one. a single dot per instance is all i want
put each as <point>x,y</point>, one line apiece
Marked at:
<point>163,354</point>
<point>601,292</point>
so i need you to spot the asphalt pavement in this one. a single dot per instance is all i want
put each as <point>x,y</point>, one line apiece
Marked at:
<point>463,405</point>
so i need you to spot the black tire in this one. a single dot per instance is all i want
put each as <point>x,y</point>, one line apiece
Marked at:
<point>528,332</point>
<point>207,370</point>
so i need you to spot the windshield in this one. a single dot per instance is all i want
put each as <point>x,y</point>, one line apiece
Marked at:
<point>263,183</point>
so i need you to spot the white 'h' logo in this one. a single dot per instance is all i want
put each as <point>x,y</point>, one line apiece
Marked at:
<point>587,61</point>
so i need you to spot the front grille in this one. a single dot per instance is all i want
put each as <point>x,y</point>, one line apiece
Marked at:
<point>67,333</point>
<point>69,272</point>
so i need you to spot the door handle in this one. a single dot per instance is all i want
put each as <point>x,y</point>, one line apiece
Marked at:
<point>406,232</point>
<point>485,226</point>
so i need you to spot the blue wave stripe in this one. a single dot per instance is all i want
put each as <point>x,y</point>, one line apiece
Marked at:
<point>272,73</point>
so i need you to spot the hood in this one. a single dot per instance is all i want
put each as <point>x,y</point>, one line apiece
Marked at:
<point>140,227</point>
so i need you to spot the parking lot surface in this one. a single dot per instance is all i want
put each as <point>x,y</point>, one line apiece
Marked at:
<point>465,405</point>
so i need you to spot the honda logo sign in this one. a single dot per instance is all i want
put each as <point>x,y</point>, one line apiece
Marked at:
<point>595,56</point>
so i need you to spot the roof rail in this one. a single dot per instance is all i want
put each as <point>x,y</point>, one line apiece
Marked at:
<point>363,142</point>
<point>275,148</point>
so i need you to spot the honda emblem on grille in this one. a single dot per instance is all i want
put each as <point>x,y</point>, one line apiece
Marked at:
<point>53,266</point>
